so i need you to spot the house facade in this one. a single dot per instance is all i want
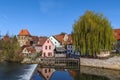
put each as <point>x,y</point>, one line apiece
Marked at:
<point>46,72</point>
<point>23,37</point>
<point>48,49</point>
<point>60,39</point>
<point>27,51</point>
<point>60,52</point>
<point>117,37</point>
<point>38,48</point>
<point>70,47</point>
<point>54,41</point>
<point>40,42</point>
<point>64,40</point>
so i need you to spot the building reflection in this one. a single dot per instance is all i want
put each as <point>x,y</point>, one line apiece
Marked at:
<point>55,74</point>
<point>84,73</point>
<point>46,73</point>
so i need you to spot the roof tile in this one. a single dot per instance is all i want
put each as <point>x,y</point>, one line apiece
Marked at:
<point>24,32</point>
<point>117,33</point>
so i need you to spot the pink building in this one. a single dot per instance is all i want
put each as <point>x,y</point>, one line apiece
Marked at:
<point>46,72</point>
<point>40,43</point>
<point>48,49</point>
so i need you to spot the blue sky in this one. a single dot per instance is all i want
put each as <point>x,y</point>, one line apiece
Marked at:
<point>49,17</point>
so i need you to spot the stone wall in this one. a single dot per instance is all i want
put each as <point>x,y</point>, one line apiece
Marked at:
<point>111,63</point>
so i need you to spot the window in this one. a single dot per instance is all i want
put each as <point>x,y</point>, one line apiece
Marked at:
<point>49,54</point>
<point>47,76</point>
<point>68,46</point>
<point>46,47</point>
<point>45,70</point>
<point>47,41</point>
<point>49,69</point>
<point>23,37</point>
<point>49,47</point>
<point>55,42</point>
<point>44,54</point>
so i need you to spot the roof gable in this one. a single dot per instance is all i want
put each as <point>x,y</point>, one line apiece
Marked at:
<point>29,49</point>
<point>55,42</point>
<point>42,40</point>
<point>49,42</point>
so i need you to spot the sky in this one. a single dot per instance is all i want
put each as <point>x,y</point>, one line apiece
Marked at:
<point>50,17</point>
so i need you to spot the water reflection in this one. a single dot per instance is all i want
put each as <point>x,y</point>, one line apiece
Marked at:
<point>85,73</point>
<point>46,73</point>
<point>52,74</point>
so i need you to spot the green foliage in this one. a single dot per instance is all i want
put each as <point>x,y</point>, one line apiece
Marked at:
<point>11,50</point>
<point>39,54</point>
<point>92,33</point>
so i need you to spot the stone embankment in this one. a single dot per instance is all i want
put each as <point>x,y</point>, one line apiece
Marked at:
<point>111,63</point>
<point>30,61</point>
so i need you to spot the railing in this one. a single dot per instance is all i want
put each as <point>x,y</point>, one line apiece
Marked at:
<point>60,62</point>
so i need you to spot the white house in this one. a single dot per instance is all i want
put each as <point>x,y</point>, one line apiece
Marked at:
<point>28,51</point>
<point>55,41</point>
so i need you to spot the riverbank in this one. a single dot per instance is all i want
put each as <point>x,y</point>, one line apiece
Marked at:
<point>30,61</point>
<point>108,73</point>
<point>110,63</point>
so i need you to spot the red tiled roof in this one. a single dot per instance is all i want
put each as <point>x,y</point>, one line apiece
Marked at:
<point>24,32</point>
<point>117,33</point>
<point>6,38</point>
<point>60,37</point>
<point>24,46</point>
<point>35,38</point>
<point>31,49</point>
<point>42,40</point>
<point>28,43</point>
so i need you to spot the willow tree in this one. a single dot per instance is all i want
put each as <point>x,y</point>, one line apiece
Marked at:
<point>92,33</point>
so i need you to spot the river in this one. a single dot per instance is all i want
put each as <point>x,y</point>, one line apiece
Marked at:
<point>84,73</point>
<point>16,71</point>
